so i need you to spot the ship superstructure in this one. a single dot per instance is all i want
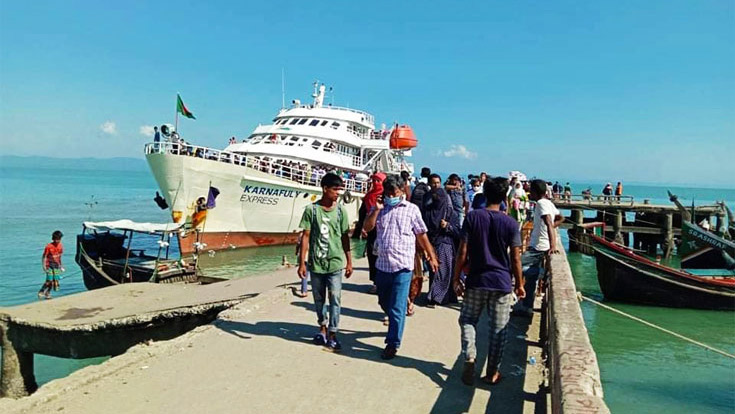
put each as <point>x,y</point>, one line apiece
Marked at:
<point>264,182</point>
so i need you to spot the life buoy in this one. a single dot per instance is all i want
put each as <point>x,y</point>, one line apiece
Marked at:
<point>347,197</point>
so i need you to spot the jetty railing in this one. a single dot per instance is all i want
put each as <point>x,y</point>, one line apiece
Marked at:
<point>574,374</point>
<point>593,198</point>
<point>268,165</point>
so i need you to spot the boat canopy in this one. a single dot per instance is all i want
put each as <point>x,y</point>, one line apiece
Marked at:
<point>130,225</point>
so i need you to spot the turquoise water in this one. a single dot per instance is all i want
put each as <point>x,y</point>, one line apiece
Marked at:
<point>642,370</point>
<point>647,371</point>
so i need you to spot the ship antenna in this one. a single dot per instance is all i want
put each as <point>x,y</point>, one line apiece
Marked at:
<point>283,88</point>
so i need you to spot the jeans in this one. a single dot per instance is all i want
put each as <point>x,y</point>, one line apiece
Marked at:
<point>319,284</point>
<point>532,262</point>
<point>393,297</point>
<point>498,315</point>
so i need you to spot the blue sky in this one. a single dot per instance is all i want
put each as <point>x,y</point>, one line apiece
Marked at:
<point>617,90</point>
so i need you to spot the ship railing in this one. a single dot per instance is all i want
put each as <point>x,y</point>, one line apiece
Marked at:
<point>306,176</point>
<point>366,116</point>
<point>328,147</point>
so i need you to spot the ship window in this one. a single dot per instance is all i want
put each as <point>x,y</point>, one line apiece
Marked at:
<point>324,123</point>
<point>316,144</point>
<point>313,122</point>
<point>294,139</point>
<point>335,125</point>
<point>303,121</point>
<point>293,121</point>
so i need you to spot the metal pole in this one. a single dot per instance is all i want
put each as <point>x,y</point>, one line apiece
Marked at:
<point>176,115</point>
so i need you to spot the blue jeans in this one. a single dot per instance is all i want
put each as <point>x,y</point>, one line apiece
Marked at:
<point>532,262</point>
<point>319,284</point>
<point>393,298</point>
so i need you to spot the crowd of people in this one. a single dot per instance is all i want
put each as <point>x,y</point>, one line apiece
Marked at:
<point>467,235</point>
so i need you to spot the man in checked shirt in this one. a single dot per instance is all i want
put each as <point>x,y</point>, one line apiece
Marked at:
<point>399,226</point>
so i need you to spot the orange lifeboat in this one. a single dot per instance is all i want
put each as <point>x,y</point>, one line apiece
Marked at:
<point>403,137</point>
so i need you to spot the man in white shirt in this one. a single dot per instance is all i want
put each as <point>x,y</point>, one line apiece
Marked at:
<point>546,218</point>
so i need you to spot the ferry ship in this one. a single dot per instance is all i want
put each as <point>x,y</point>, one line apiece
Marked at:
<point>263,183</point>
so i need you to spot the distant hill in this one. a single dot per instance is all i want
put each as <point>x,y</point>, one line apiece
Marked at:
<point>110,164</point>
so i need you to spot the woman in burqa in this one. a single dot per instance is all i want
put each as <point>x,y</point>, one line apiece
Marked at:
<point>443,228</point>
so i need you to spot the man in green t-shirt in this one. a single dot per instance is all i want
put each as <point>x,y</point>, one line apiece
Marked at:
<point>325,225</point>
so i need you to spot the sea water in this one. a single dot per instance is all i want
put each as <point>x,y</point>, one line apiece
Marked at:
<point>643,370</point>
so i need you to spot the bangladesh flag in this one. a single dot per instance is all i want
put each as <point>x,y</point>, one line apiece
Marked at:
<point>181,108</point>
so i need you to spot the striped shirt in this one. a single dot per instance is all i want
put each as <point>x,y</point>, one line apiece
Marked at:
<point>397,228</point>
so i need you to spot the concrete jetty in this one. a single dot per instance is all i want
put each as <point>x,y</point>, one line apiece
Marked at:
<point>257,357</point>
<point>106,322</point>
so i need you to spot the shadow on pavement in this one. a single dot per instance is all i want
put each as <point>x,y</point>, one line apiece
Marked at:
<point>352,344</point>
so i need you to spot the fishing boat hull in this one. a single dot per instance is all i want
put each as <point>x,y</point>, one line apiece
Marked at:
<point>624,277</point>
<point>98,275</point>
<point>253,207</point>
<point>104,262</point>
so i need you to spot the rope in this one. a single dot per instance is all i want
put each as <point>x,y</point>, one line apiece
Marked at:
<point>680,336</point>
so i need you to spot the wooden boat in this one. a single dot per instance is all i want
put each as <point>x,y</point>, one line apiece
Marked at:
<point>703,249</point>
<point>107,255</point>
<point>626,276</point>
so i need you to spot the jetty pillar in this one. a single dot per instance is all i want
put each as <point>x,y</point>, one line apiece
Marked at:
<point>618,227</point>
<point>578,220</point>
<point>668,235</point>
<point>17,379</point>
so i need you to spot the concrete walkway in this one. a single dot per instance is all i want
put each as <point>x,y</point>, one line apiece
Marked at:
<point>257,358</point>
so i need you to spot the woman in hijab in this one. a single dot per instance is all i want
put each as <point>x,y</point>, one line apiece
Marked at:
<point>517,202</point>
<point>443,228</point>
<point>371,198</point>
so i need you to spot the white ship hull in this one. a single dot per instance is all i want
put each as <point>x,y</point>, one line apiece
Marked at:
<point>254,208</point>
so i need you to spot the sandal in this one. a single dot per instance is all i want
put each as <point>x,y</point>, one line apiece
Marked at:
<point>488,379</point>
<point>320,339</point>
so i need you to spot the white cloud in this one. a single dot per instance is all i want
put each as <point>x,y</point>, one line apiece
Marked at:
<point>459,151</point>
<point>109,128</point>
<point>147,130</point>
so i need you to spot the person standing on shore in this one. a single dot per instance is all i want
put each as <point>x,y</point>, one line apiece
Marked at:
<point>325,238</point>
<point>443,228</point>
<point>376,189</point>
<point>543,243</point>
<point>51,264</point>
<point>458,195</point>
<point>492,242</point>
<point>399,226</point>
<point>607,192</point>
<point>567,192</point>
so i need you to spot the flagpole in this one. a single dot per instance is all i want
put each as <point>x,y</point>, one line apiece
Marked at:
<point>176,126</point>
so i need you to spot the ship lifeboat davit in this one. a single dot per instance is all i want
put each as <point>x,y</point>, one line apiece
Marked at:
<point>403,137</point>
